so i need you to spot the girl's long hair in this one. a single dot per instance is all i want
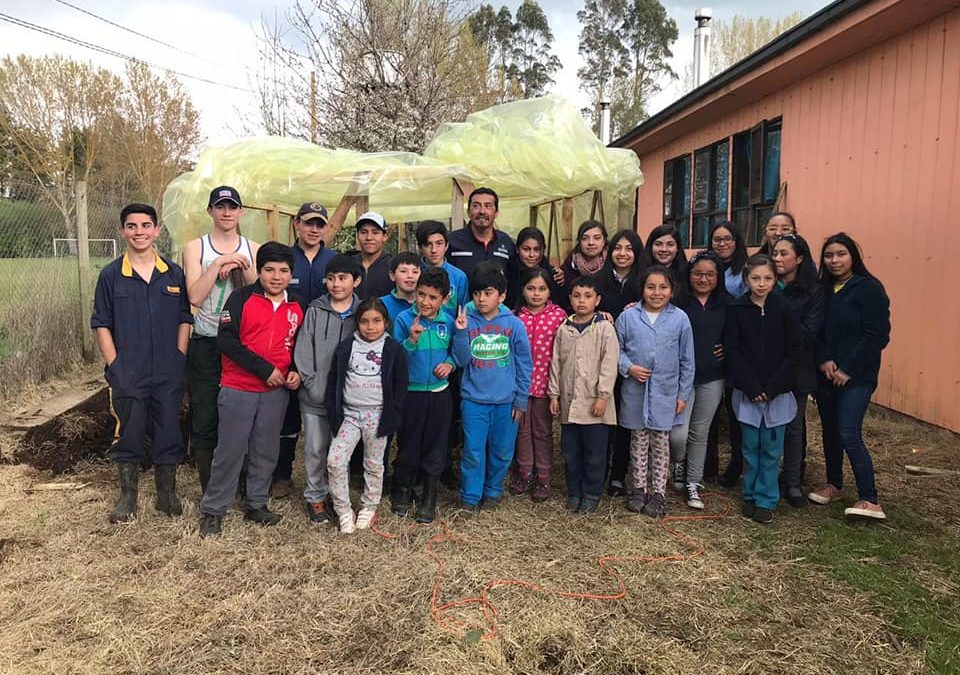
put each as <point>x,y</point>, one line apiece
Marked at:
<point>739,256</point>
<point>807,274</point>
<point>636,269</point>
<point>679,264</point>
<point>851,245</point>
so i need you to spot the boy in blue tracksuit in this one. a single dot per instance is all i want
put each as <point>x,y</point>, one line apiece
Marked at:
<point>426,333</point>
<point>433,244</point>
<point>491,346</point>
<point>404,273</point>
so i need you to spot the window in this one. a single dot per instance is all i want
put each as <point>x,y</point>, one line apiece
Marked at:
<point>676,195</point>
<point>710,184</point>
<point>755,185</point>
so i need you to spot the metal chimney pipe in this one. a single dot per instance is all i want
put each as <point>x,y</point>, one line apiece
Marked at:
<point>701,46</point>
<point>605,120</point>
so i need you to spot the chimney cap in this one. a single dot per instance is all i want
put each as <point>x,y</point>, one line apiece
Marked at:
<point>704,13</point>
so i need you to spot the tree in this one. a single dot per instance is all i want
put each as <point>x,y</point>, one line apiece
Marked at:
<point>533,61</point>
<point>649,34</point>
<point>626,46</point>
<point>389,71</point>
<point>734,40</point>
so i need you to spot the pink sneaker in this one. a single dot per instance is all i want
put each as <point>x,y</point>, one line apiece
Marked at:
<point>828,493</point>
<point>865,509</point>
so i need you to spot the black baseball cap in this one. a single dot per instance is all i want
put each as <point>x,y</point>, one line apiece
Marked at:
<point>312,210</point>
<point>224,193</point>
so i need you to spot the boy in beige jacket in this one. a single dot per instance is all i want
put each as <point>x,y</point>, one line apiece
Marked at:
<point>583,370</point>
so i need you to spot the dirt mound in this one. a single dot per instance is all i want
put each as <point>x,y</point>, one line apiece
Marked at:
<point>84,432</point>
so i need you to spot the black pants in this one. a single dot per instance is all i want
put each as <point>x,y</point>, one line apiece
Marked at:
<point>203,383</point>
<point>585,458</point>
<point>422,440</point>
<point>712,463</point>
<point>620,443</point>
<point>288,439</point>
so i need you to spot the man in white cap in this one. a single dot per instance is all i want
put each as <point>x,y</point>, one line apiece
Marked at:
<point>373,259</point>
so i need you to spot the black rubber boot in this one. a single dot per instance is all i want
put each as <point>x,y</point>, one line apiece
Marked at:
<point>203,457</point>
<point>165,478</point>
<point>126,507</point>
<point>400,500</point>
<point>427,505</point>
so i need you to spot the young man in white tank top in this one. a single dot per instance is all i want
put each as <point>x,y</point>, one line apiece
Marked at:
<point>214,265</point>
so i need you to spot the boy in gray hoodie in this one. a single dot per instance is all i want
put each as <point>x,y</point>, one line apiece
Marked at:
<point>329,320</point>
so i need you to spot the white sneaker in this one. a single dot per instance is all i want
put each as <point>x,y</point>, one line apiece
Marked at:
<point>347,523</point>
<point>694,500</point>
<point>365,517</point>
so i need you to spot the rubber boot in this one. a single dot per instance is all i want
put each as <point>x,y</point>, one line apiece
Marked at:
<point>165,478</point>
<point>400,500</point>
<point>126,507</point>
<point>427,504</point>
<point>203,457</point>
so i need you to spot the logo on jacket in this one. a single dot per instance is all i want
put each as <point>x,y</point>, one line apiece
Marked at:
<point>487,347</point>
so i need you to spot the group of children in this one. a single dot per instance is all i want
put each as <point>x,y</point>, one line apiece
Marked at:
<point>405,363</point>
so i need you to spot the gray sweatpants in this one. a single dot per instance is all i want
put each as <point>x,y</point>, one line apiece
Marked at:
<point>316,445</point>
<point>249,423</point>
<point>702,406</point>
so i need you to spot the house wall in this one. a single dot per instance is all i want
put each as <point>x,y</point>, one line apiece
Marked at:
<point>871,146</point>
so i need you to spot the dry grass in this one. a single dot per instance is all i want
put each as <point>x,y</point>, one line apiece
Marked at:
<point>80,596</point>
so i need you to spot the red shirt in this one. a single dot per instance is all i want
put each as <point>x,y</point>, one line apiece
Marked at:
<point>541,329</point>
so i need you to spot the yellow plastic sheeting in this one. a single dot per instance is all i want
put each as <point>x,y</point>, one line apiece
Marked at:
<point>527,151</point>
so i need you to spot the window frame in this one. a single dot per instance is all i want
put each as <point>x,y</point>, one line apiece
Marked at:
<point>715,210</point>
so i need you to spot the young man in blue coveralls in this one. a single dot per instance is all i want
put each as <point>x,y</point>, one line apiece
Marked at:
<point>141,321</point>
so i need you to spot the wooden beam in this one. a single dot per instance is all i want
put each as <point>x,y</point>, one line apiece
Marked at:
<point>535,218</point>
<point>273,224</point>
<point>457,213</point>
<point>566,227</point>
<point>337,219</point>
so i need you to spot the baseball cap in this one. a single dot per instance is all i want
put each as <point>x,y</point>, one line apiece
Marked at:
<point>312,210</point>
<point>224,193</point>
<point>372,217</point>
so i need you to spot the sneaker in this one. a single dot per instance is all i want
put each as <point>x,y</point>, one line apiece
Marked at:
<point>615,489</point>
<point>541,492</point>
<point>347,523</point>
<point>318,512</point>
<point>795,498</point>
<point>262,516</point>
<point>519,485</point>
<point>866,510</point>
<point>280,488</point>
<point>679,476</point>
<point>468,508</point>
<point>748,509</point>
<point>211,526</point>
<point>366,517</point>
<point>656,506</point>
<point>490,504</point>
<point>573,503</point>
<point>589,504</point>
<point>694,500</point>
<point>636,501</point>
<point>761,515</point>
<point>828,493</point>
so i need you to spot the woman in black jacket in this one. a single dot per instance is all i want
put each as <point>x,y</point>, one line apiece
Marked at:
<point>797,278</point>
<point>856,328</point>
<point>532,252</point>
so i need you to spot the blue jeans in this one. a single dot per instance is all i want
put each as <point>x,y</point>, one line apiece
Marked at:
<point>841,414</point>
<point>489,435</point>
<point>762,448</point>
<point>584,448</point>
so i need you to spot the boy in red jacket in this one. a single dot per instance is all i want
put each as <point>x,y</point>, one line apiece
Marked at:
<point>257,331</point>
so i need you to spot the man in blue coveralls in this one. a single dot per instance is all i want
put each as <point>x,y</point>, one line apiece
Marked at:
<point>141,321</point>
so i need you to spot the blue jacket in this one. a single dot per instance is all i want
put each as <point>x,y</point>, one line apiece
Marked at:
<point>856,328</point>
<point>432,349</point>
<point>495,357</point>
<point>310,278</point>
<point>459,288</point>
<point>707,323</point>
<point>395,305</point>
<point>666,348</point>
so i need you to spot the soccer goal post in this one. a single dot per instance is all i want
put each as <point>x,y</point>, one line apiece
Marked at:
<point>67,246</point>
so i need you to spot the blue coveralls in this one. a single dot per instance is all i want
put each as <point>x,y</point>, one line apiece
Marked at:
<point>146,378</point>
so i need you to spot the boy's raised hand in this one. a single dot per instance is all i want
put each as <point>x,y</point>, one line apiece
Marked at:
<point>416,330</point>
<point>461,322</point>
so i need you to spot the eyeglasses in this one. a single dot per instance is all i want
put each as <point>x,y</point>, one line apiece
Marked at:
<point>789,237</point>
<point>704,275</point>
<point>722,240</point>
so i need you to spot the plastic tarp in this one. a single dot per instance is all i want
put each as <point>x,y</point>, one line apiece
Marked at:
<point>528,151</point>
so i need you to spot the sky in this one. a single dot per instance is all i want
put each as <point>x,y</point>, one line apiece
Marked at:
<point>214,40</point>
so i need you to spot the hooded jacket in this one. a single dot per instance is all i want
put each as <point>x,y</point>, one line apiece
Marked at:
<point>707,322</point>
<point>323,329</point>
<point>495,357</point>
<point>856,328</point>
<point>807,301</point>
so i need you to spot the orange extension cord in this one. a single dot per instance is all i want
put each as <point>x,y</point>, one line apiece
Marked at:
<point>439,612</point>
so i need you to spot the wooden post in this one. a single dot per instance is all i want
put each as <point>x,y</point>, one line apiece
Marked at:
<point>273,223</point>
<point>362,205</point>
<point>456,209</point>
<point>86,272</point>
<point>566,227</point>
<point>597,205</point>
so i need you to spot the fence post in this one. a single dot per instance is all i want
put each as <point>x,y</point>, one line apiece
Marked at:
<point>86,272</point>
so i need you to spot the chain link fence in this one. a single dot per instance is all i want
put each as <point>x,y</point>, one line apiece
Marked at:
<point>41,331</point>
